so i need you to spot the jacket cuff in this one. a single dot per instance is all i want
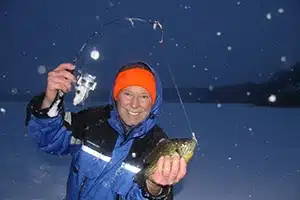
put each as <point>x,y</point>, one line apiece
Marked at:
<point>53,110</point>
<point>164,195</point>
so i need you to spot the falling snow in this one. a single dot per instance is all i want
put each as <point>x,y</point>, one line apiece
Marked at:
<point>280,10</point>
<point>42,69</point>
<point>207,68</point>
<point>283,59</point>
<point>95,54</point>
<point>266,142</point>
<point>272,98</point>
<point>185,7</point>
<point>266,158</point>
<point>2,110</point>
<point>14,91</point>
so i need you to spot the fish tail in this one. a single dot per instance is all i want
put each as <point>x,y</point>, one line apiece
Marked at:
<point>194,137</point>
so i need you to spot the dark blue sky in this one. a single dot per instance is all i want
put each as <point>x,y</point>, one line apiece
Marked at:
<point>48,33</point>
<point>215,49</point>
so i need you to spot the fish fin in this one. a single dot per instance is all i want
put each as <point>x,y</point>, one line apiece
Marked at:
<point>177,151</point>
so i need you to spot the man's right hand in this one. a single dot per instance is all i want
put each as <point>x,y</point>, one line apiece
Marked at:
<point>60,78</point>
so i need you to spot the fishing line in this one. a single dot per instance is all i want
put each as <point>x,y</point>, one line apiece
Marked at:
<point>181,102</point>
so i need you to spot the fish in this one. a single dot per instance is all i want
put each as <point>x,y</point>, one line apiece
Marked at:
<point>185,147</point>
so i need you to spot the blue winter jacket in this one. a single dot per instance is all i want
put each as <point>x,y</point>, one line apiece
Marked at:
<point>104,158</point>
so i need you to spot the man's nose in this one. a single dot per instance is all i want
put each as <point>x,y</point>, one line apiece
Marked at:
<point>135,102</point>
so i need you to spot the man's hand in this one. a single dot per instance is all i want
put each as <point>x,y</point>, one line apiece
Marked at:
<point>169,171</point>
<point>58,79</point>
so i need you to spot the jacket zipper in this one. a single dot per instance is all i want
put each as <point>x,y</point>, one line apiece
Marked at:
<point>127,133</point>
<point>81,186</point>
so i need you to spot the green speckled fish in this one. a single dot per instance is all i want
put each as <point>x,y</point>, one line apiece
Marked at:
<point>185,147</point>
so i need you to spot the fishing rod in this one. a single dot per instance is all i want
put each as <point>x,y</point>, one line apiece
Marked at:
<point>86,82</point>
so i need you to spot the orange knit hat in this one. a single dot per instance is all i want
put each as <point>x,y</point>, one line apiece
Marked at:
<point>135,77</point>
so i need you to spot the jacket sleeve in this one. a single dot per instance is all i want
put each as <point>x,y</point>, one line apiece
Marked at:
<point>137,192</point>
<point>51,128</point>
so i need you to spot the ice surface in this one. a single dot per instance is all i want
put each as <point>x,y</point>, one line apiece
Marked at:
<point>240,156</point>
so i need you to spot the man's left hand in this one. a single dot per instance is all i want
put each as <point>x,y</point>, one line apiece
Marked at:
<point>169,170</point>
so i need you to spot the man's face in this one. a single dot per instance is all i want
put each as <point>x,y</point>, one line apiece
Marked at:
<point>134,105</point>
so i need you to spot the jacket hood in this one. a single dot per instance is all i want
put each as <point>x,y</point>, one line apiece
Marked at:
<point>150,121</point>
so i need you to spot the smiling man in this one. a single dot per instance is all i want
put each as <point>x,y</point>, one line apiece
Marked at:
<point>107,143</point>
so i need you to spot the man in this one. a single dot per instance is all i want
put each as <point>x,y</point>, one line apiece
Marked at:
<point>107,143</point>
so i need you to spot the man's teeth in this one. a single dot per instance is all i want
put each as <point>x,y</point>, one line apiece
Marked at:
<point>133,113</point>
